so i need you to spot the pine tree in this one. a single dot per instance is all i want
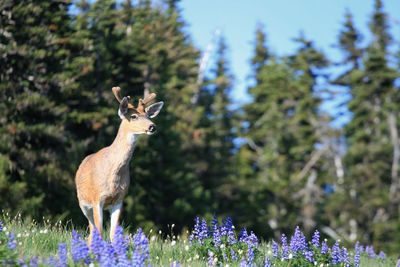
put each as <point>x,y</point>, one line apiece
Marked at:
<point>219,135</point>
<point>39,65</point>
<point>369,157</point>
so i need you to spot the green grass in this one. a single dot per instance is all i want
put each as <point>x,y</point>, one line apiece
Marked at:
<point>42,240</point>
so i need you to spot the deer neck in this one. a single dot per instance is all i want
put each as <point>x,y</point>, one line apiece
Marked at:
<point>123,145</point>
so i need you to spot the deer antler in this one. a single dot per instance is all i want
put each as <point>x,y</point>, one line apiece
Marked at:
<point>117,93</point>
<point>148,98</point>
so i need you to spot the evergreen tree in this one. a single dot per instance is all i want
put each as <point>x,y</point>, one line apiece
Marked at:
<point>281,137</point>
<point>217,178</point>
<point>38,67</point>
<point>369,157</point>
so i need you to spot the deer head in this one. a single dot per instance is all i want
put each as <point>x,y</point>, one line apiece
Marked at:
<point>138,119</point>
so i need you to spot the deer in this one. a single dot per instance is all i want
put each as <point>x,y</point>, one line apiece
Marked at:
<point>102,179</point>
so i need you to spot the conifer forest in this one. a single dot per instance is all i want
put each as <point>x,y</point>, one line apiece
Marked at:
<point>272,164</point>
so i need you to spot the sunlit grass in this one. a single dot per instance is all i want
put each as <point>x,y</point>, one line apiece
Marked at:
<point>42,239</point>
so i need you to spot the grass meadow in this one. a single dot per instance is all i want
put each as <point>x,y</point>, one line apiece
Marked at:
<point>39,241</point>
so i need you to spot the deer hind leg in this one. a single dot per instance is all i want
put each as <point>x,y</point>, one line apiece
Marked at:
<point>88,212</point>
<point>115,211</point>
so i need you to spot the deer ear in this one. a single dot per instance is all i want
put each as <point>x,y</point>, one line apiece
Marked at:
<point>123,108</point>
<point>154,109</point>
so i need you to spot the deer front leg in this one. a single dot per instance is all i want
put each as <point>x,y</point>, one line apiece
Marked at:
<point>98,217</point>
<point>115,212</point>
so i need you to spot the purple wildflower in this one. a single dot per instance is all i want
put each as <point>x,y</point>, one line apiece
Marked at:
<point>250,255</point>
<point>345,257</point>
<point>382,255</point>
<point>243,235</point>
<point>336,253</point>
<point>309,255</point>
<point>298,241</point>
<point>285,248</point>
<point>34,261</point>
<point>216,235</point>
<point>234,256</point>
<point>120,246</point>
<point>62,255</point>
<point>370,251</point>
<point>141,244</point>
<point>357,247</point>
<point>107,255</point>
<point>275,249</point>
<point>196,230</point>
<point>357,259</point>
<point>315,239</point>
<point>97,244</point>
<point>52,261</point>
<point>1,226</point>
<point>12,244</point>
<point>203,233</point>
<point>231,231</point>
<point>267,262</point>
<point>79,249</point>
<point>211,261</point>
<point>324,248</point>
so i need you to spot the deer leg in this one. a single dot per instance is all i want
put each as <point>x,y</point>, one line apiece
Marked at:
<point>88,212</point>
<point>98,216</point>
<point>115,212</point>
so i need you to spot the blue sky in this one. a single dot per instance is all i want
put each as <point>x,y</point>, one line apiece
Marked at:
<point>283,20</point>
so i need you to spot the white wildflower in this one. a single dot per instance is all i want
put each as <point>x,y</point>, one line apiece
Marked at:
<point>173,243</point>
<point>196,257</point>
<point>240,251</point>
<point>19,235</point>
<point>186,247</point>
<point>290,256</point>
<point>152,238</point>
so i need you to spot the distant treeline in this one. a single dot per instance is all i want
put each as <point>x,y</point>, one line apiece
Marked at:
<point>59,61</point>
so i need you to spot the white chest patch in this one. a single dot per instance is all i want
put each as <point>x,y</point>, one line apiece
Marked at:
<point>131,138</point>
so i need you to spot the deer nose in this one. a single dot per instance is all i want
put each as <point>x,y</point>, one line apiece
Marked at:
<point>152,128</point>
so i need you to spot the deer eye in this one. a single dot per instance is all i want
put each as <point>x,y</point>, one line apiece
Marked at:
<point>134,116</point>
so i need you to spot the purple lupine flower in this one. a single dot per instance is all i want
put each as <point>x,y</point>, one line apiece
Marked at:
<point>345,257</point>
<point>62,255</point>
<point>357,247</point>
<point>243,263</point>
<point>138,259</point>
<point>243,235</point>
<point>224,256</point>
<point>250,255</point>
<point>357,258</point>
<point>234,256</point>
<point>216,236</point>
<point>97,244</point>
<point>275,249</point>
<point>203,233</point>
<point>285,248</point>
<point>107,255</point>
<point>79,249</point>
<point>52,261</point>
<point>370,251</point>
<point>195,233</point>
<point>309,255</point>
<point>211,261</point>
<point>336,253</point>
<point>223,229</point>
<point>120,246</point>
<point>315,239</point>
<point>324,248</point>
<point>267,262</point>
<point>141,244</point>
<point>382,255</point>
<point>34,261</point>
<point>12,244</point>
<point>298,241</point>
<point>1,226</point>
